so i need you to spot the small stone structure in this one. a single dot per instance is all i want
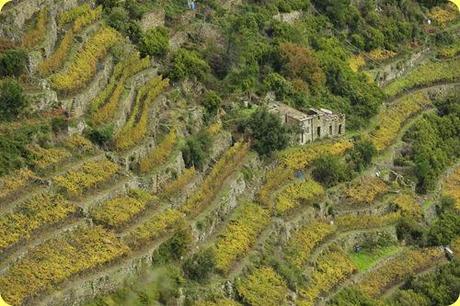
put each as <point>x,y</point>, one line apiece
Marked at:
<point>315,124</point>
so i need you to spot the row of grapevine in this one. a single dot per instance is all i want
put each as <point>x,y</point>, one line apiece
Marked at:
<point>72,14</point>
<point>83,67</point>
<point>426,74</point>
<point>408,206</point>
<point>301,157</point>
<point>239,235</point>
<point>273,180</point>
<point>14,182</point>
<point>56,60</point>
<point>136,127</point>
<point>159,154</point>
<point>122,209</point>
<point>224,167</point>
<point>37,32</point>
<point>304,240</point>
<point>106,104</point>
<point>395,115</point>
<point>79,145</point>
<point>155,227</point>
<point>35,213</point>
<point>350,222</point>
<point>178,185</point>
<point>365,190</point>
<point>451,186</point>
<point>45,158</point>
<point>262,287</point>
<point>58,259</point>
<point>88,176</point>
<point>397,269</point>
<point>332,268</point>
<point>218,302</point>
<point>299,193</point>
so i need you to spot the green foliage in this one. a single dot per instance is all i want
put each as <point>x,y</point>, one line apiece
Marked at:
<point>12,100</point>
<point>267,132</point>
<point>330,170</point>
<point>444,229</point>
<point>175,248</point>
<point>436,288</point>
<point>101,135</point>
<point>211,103</point>
<point>12,62</point>
<point>155,42</point>
<point>360,156</point>
<point>200,265</point>
<point>435,142</point>
<point>196,150</point>
<point>188,63</point>
<point>353,297</point>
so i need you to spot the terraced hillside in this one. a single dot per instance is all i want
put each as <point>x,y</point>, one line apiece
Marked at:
<point>140,163</point>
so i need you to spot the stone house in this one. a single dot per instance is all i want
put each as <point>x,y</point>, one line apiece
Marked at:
<point>314,124</point>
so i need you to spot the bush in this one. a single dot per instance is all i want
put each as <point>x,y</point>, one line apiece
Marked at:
<point>200,265</point>
<point>101,135</point>
<point>360,157</point>
<point>12,100</point>
<point>330,170</point>
<point>12,62</point>
<point>211,104</point>
<point>188,63</point>
<point>196,150</point>
<point>267,132</point>
<point>155,42</point>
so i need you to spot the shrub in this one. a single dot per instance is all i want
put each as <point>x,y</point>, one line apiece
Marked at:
<point>211,103</point>
<point>155,42</point>
<point>12,63</point>
<point>12,100</point>
<point>199,266</point>
<point>196,150</point>
<point>101,135</point>
<point>188,63</point>
<point>330,170</point>
<point>361,155</point>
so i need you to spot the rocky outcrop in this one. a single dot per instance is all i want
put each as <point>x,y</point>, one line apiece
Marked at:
<point>153,19</point>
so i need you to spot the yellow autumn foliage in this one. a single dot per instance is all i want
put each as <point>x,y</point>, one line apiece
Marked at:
<point>57,260</point>
<point>356,62</point>
<point>365,190</point>
<point>408,206</point>
<point>15,181</point>
<point>224,167</point>
<point>305,240</point>
<point>299,193</point>
<point>263,287</point>
<point>155,227</point>
<point>381,54</point>
<point>451,186</point>
<point>136,127</point>
<point>42,210</point>
<point>88,176</point>
<point>83,67</point>
<point>332,268</point>
<point>442,15</point>
<point>298,158</point>
<point>393,117</point>
<point>179,183</point>
<point>160,154</point>
<point>218,302</point>
<point>351,222</point>
<point>44,158</point>
<point>239,235</point>
<point>397,269</point>
<point>37,33</point>
<point>273,180</point>
<point>121,210</point>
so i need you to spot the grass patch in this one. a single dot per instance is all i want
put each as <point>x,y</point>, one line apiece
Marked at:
<point>365,260</point>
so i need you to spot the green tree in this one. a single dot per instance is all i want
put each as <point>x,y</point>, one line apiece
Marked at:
<point>267,132</point>
<point>12,100</point>
<point>330,170</point>
<point>13,62</point>
<point>196,150</point>
<point>187,63</point>
<point>200,265</point>
<point>360,156</point>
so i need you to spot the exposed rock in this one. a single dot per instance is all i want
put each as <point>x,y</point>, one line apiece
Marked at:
<point>153,19</point>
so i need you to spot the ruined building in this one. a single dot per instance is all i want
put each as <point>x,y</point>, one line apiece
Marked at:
<point>315,124</point>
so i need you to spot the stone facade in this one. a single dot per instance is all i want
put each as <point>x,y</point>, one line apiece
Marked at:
<point>314,124</point>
